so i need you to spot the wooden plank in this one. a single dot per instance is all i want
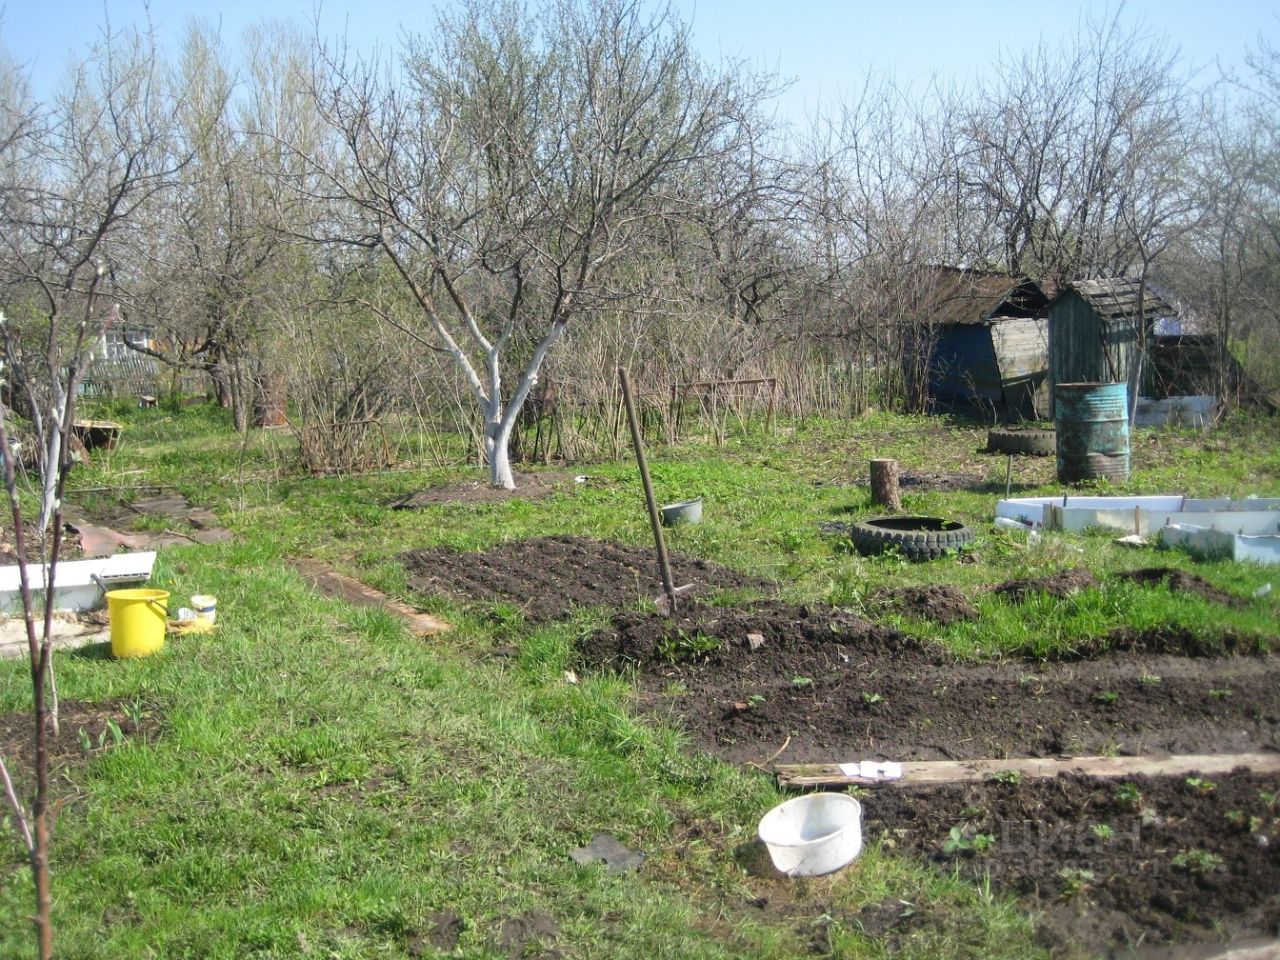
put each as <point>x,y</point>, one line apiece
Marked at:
<point>1253,949</point>
<point>958,771</point>
<point>329,582</point>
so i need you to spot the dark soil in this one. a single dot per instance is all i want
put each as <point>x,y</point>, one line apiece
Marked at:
<point>912,480</point>
<point>1170,639</point>
<point>765,636</point>
<point>445,931</point>
<point>917,481</point>
<point>530,935</point>
<point>69,550</point>
<point>18,742</point>
<point>1059,585</point>
<point>834,687</point>
<point>1181,862</point>
<point>940,603</point>
<point>548,576</point>
<point>1179,581</point>
<point>529,486</point>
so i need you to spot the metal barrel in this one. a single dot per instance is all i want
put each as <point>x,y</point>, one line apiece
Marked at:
<point>1093,431</point>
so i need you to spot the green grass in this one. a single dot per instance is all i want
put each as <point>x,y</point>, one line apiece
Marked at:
<point>323,783</point>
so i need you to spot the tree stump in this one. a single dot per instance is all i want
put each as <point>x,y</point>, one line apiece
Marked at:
<point>884,484</point>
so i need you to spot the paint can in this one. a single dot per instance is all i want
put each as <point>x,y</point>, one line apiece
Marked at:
<point>205,607</point>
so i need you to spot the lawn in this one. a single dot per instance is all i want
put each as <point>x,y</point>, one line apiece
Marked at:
<point>312,781</point>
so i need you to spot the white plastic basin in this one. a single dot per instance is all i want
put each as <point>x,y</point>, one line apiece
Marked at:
<point>814,834</point>
<point>687,511</point>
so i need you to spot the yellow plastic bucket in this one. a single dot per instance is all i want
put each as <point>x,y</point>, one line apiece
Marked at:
<point>138,619</point>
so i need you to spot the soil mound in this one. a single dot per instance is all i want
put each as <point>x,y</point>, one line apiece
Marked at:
<point>547,577</point>
<point>1060,585</point>
<point>1180,581</point>
<point>940,603</point>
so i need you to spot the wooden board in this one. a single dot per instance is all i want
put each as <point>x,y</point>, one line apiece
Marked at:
<point>954,771</point>
<point>1254,949</point>
<point>329,582</point>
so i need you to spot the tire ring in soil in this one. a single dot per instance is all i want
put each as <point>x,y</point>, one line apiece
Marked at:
<point>938,537</point>
<point>1025,441</point>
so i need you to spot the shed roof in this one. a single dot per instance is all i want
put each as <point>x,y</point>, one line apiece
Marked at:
<point>1114,298</point>
<point>961,296</point>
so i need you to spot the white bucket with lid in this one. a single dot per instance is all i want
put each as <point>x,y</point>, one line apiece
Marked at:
<point>205,607</point>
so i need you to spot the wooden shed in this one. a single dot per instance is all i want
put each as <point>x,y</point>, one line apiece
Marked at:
<point>1098,333</point>
<point>988,346</point>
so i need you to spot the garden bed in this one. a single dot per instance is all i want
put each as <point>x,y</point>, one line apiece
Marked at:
<point>1109,862</point>
<point>831,686</point>
<point>85,729</point>
<point>771,682</point>
<point>546,577</point>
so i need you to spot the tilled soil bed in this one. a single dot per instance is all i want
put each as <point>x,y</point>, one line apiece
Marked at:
<point>833,687</point>
<point>547,577</point>
<point>85,730</point>
<point>1108,862</point>
<point>792,684</point>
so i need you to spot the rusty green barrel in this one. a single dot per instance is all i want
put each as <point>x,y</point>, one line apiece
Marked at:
<point>1093,431</point>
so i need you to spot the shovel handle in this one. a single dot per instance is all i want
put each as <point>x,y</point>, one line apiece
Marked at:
<point>637,441</point>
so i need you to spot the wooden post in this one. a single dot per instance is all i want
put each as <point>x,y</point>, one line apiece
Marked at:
<point>884,484</point>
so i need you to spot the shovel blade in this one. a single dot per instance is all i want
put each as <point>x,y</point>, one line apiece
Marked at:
<point>663,601</point>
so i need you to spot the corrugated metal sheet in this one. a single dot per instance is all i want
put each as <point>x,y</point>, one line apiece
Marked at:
<point>964,309</point>
<point>956,296</point>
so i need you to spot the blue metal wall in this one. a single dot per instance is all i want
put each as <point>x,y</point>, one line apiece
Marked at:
<point>963,372</point>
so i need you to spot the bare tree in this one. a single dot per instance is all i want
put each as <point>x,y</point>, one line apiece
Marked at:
<point>1062,155</point>
<point>1227,268</point>
<point>77,173</point>
<point>873,236</point>
<point>217,258</point>
<point>72,219</point>
<point>508,161</point>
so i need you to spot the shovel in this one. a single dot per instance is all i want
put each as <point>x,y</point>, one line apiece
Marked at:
<point>666,603</point>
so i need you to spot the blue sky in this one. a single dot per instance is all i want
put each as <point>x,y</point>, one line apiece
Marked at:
<point>823,46</point>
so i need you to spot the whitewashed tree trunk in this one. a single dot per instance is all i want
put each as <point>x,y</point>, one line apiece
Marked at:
<point>500,475</point>
<point>52,458</point>
<point>500,422</point>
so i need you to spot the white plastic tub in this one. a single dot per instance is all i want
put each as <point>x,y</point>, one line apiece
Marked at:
<point>78,584</point>
<point>812,835</point>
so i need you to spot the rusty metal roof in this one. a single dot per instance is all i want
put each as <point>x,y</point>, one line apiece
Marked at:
<point>960,296</point>
<point>1113,298</point>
